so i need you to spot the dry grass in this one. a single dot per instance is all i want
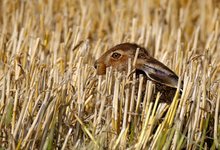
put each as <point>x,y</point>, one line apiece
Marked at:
<point>51,97</point>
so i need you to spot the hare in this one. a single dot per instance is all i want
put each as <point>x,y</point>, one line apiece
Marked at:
<point>165,79</point>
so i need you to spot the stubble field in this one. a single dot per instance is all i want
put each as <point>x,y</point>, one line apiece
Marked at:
<point>51,97</point>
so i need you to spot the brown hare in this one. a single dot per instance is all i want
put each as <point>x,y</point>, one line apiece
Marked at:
<point>165,80</point>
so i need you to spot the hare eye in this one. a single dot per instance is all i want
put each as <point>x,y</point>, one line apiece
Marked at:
<point>116,55</point>
<point>142,56</point>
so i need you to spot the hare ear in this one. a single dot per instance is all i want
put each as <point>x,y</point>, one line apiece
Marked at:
<point>158,72</point>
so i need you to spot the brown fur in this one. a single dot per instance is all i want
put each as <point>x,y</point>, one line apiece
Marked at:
<point>164,78</point>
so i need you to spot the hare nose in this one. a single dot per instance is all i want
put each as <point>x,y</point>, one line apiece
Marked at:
<point>96,64</point>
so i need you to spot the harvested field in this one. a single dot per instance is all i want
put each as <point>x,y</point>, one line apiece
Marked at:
<point>52,98</point>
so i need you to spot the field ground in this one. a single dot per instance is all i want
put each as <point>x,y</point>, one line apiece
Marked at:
<point>51,97</point>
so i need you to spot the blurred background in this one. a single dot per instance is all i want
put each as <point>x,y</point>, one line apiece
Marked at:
<point>51,97</point>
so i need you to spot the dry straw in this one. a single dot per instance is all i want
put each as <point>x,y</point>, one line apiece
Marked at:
<point>51,97</point>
